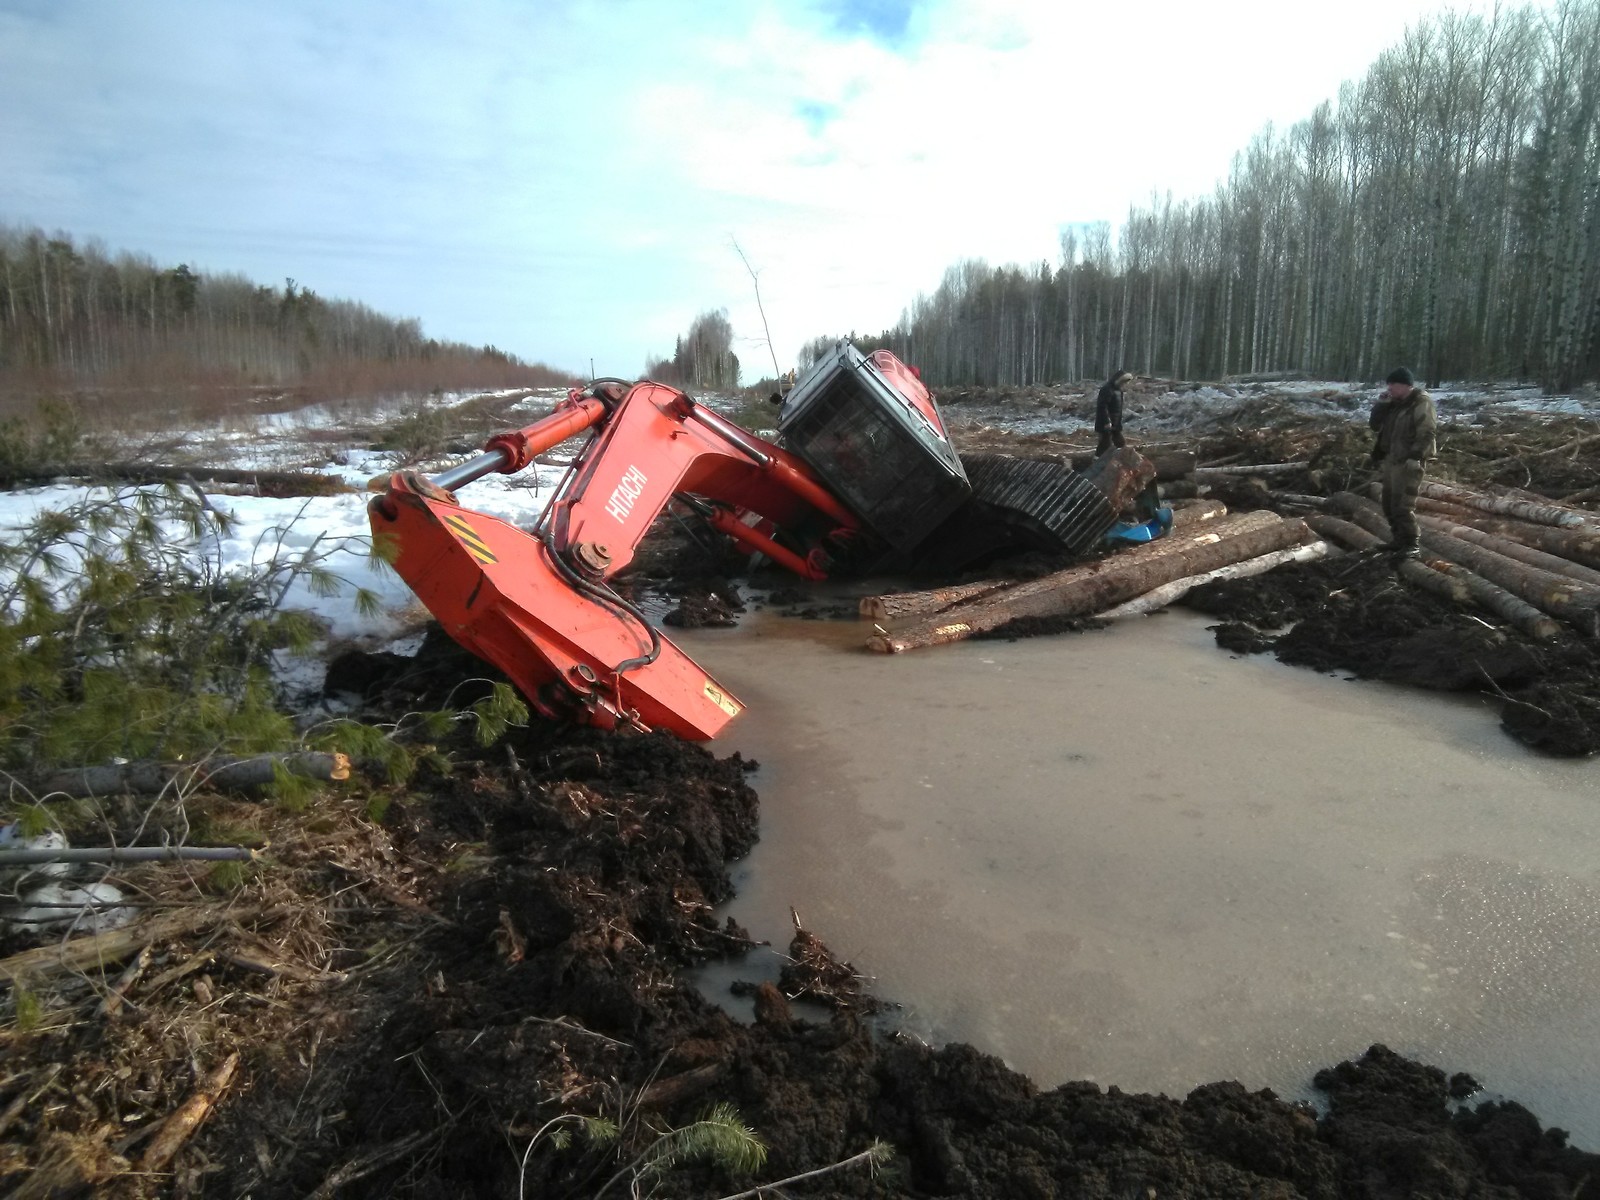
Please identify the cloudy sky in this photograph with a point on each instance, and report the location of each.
(567, 180)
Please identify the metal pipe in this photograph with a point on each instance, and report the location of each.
(755, 540)
(116, 854)
(728, 431)
(473, 469)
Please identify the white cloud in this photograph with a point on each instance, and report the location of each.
(564, 179)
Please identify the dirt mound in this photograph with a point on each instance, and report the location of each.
(1354, 614)
(551, 991)
(528, 1030)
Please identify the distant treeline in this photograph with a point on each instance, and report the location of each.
(702, 358)
(1444, 213)
(79, 317)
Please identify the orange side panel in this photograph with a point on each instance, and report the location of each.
(493, 589)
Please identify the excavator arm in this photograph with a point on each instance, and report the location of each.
(537, 604)
(872, 475)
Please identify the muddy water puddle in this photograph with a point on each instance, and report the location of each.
(1129, 857)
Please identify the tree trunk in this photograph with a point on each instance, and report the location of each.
(1553, 563)
(1445, 579)
(1093, 587)
(148, 778)
(1523, 510)
(1164, 595)
(1553, 594)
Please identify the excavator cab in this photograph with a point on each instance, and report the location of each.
(872, 432)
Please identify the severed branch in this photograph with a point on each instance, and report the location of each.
(872, 1156)
(186, 1118)
(101, 949)
(147, 778)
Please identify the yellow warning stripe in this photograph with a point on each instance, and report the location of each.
(471, 539)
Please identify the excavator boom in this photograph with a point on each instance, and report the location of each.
(538, 605)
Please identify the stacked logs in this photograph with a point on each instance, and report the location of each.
(1530, 562)
(1204, 543)
(1533, 563)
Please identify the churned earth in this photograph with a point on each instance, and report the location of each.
(551, 982)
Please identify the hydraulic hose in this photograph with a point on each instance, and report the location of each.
(608, 597)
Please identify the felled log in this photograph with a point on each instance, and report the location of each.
(148, 778)
(1168, 592)
(1523, 510)
(1553, 563)
(893, 606)
(1441, 508)
(1192, 512)
(1574, 545)
(1446, 579)
(1120, 474)
(1354, 537)
(1208, 474)
(1557, 595)
(182, 1123)
(1183, 489)
(1170, 467)
(899, 605)
(1551, 594)
(1095, 587)
(1297, 498)
(114, 945)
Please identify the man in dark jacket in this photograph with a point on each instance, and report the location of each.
(1406, 424)
(1108, 412)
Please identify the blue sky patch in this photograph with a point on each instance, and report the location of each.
(816, 114)
(883, 21)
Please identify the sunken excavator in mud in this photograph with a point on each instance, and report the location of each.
(862, 477)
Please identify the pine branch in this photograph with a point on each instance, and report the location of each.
(873, 1155)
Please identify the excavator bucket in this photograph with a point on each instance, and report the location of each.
(499, 592)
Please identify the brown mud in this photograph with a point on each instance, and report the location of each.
(549, 982)
(569, 878)
(1354, 614)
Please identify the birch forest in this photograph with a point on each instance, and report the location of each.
(76, 317)
(1443, 212)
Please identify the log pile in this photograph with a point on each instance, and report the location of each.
(1090, 588)
(1531, 563)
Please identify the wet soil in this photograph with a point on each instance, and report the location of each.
(1353, 613)
(552, 986)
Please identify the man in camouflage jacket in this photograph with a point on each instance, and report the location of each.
(1406, 424)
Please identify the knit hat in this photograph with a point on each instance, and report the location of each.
(1402, 375)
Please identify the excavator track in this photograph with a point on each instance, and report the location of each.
(1019, 504)
(1041, 498)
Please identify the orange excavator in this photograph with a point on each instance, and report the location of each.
(863, 475)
